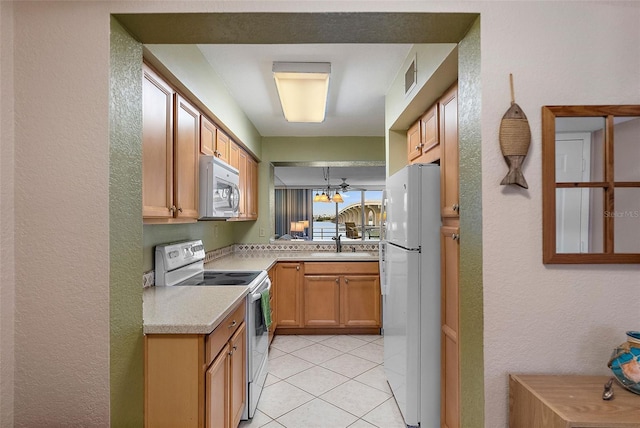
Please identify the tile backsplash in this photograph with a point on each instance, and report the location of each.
(301, 246)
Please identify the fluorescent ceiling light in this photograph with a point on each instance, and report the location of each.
(302, 88)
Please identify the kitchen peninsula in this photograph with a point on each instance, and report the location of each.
(187, 327)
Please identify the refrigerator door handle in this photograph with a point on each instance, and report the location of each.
(382, 247)
(383, 216)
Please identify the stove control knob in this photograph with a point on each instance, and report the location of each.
(173, 254)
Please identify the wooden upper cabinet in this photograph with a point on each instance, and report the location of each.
(208, 133)
(157, 146)
(252, 188)
(430, 133)
(186, 152)
(170, 150)
(423, 142)
(175, 133)
(222, 146)
(449, 181)
(248, 168)
(242, 168)
(234, 154)
(414, 145)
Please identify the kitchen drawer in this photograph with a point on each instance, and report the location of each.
(344, 268)
(220, 336)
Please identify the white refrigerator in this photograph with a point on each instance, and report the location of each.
(410, 282)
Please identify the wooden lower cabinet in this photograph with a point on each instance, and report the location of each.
(289, 294)
(197, 380)
(226, 383)
(321, 301)
(328, 295)
(360, 297)
(341, 301)
(217, 380)
(238, 373)
(450, 357)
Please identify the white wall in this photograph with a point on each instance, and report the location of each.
(62, 215)
(7, 218)
(537, 318)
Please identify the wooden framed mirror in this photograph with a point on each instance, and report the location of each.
(591, 184)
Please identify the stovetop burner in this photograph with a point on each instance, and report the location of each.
(221, 278)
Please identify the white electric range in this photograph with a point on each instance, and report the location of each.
(182, 264)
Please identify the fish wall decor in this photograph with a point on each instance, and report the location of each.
(515, 138)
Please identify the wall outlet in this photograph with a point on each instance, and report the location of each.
(262, 232)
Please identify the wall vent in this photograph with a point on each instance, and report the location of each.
(410, 76)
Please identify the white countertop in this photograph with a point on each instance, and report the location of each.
(188, 309)
(199, 310)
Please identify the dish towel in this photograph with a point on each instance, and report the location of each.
(266, 307)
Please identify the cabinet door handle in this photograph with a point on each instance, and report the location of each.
(456, 207)
(455, 237)
(346, 280)
(337, 280)
(233, 324)
(297, 267)
(172, 208)
(180, 209)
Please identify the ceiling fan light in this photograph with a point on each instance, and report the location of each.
(324, 197)
(337, 197)
(302, 88)
(316, 198)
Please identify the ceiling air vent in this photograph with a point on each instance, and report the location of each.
(410, 76)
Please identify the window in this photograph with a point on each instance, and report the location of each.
(358, 216)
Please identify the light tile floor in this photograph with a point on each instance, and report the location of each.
(326, 382)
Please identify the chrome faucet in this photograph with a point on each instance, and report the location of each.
(338, 244)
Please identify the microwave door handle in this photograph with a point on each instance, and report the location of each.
(235, 198)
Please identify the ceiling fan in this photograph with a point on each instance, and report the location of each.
(344, 186)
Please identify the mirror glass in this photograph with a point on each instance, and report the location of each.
(591, 184)
(627, 220)
(579, 221)
(579, 149)
(626, 134)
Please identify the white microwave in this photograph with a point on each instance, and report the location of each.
(219, 189)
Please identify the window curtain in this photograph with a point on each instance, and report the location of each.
(292, 205)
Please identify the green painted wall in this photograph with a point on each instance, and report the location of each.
(292, 149)
(125, 237)
(214, 234)
(471, 287)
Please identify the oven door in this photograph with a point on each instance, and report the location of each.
(258, 347)
(258, 332)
